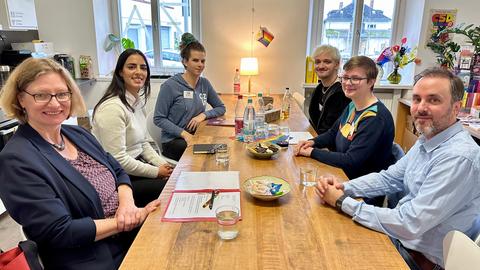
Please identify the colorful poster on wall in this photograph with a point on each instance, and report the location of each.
(441, 19)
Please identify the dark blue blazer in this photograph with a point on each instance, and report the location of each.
(54, 203)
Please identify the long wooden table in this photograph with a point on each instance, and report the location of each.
(294, 232)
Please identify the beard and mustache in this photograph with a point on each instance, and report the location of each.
(430, 127)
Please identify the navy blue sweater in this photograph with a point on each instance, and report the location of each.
(360, 142)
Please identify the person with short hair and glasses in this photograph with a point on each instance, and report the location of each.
(328, 100)
(70, 196)
(438, 175)
(360, 141)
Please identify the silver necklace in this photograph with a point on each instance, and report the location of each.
(61, 146)
(325, 90)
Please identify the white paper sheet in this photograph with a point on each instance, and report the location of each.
(296, 136)
(187, 206)
(208, 180)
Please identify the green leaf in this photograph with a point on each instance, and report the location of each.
(128, 43)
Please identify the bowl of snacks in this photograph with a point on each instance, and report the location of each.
(266, 188)
(263, 150)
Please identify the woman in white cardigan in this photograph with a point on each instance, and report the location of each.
(119, 123)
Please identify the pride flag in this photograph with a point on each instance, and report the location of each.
(264, 36)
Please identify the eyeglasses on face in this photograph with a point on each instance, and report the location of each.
(353, 80)
(46, 98)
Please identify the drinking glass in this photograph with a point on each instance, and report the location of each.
(308, 175)
(227, 219)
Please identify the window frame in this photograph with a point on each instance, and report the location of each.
(159, 69)
(315, 25)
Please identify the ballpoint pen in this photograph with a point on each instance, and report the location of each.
(209, 203)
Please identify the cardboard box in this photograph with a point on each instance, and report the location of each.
(44, 47)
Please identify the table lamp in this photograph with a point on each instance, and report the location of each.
(249, 67)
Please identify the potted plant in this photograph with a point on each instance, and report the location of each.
(445, 48)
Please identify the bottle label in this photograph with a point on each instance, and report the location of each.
(238, 126)
(236, 88)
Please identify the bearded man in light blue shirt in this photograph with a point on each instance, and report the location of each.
(439, 175)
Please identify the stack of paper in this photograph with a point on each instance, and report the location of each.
(193, 189)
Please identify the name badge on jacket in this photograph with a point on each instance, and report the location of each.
(188, 94)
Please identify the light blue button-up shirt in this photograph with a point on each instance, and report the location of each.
(441, 180)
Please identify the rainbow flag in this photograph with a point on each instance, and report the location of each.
(264, 36)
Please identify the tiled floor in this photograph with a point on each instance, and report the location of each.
(10, 232)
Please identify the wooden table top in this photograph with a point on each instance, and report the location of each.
(293, 232)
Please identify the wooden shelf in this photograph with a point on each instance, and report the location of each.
(403, 135)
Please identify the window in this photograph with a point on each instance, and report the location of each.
(351, 30)
(156, 28)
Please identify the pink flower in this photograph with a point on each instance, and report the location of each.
(396, 48)
(404, 40)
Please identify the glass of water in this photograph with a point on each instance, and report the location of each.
(308, 175)
(227, 219)
(285, 132)
(222, 155)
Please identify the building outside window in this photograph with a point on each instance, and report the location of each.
(156, 28)
(352, 31)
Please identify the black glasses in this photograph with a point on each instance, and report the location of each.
(46, 98)
(353, 80)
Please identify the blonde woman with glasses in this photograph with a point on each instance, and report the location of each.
(360, 141)
(70, 196)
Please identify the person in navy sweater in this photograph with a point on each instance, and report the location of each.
(360, 141)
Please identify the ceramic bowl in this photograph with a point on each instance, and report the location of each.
(250, 186)
(252, 150)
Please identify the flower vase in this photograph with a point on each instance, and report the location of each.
(394, 77)
(380, 74)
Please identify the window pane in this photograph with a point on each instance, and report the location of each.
(136, 24)
(338, 26)
(175, 19)
(376, 30)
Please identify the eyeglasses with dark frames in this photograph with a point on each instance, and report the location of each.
(353, 80)
(46, 98)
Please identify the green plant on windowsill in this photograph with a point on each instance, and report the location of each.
(113, 41)
(444, 48)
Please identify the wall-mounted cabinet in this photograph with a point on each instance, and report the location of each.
(18, 15)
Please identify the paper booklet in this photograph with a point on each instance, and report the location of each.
(194, 189)
(221, 122)
(296, 136)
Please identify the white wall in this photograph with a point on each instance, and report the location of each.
(69, 24)
(226, 30)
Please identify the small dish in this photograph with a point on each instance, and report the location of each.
(251, 185)
(271, 150)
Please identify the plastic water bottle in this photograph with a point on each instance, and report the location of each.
(260, 129)
(236, 82)
(239, 110)
(286, 103)
(249, 122)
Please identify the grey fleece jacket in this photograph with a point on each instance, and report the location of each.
(178, 103)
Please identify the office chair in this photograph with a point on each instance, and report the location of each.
(460, 252)
(156, 135)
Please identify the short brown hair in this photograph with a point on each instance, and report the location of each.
(27, 72)
(364, 63)
(456, 85)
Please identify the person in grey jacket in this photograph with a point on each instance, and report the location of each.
(182, 101)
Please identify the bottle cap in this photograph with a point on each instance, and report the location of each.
(259, 94)
(240, 96)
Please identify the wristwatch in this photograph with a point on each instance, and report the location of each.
(338, 203)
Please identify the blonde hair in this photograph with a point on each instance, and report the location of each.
(330, 50)
(27, 72)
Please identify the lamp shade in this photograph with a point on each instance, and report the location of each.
(248, 66)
